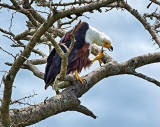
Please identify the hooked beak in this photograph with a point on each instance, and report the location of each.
(108, 46)
(110, 49)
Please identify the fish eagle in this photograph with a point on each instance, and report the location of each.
(85, 36)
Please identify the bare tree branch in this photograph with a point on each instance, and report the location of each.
(69, 22)
(7, 6)
(7, 52)
(35, 71)
(146, 78)
(55, 44)
(6, 32)
(55, 105)
(156, 2)
(146, 25)
(31, 68)
(85, 111)
(21, 35)
(15, 4)
(19, 101)
(66, 4)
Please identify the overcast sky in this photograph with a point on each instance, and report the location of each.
(118, 101)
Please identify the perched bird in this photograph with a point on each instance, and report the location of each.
(85, 36)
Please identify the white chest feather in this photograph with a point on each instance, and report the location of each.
(91, 37)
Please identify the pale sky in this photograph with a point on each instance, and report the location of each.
(118, 101)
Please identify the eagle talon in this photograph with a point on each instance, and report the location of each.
(102, 50)
(79, 78)
(100, 62)
(85, 81)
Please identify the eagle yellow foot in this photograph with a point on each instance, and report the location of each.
(79, 78)
(98, 57)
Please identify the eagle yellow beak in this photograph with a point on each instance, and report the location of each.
(107, 45)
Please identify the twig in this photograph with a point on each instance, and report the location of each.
(149, 4)
(6, 32)
(109, 9)
(43, 12)
(11, 21)
(86, 16)
(23, 99)
(65, 27)
(154, 14)
(4, 5)
(12, 36)
(55, 44)
(7, 52)
(35, 71)
(69, 22)
(31, 2)
(37, 51)
(4, 71)
(145, 77)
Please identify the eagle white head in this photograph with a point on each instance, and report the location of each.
(99, 38)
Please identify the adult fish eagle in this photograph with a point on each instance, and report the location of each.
(85, 36)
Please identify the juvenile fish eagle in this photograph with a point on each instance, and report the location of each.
(85, 36)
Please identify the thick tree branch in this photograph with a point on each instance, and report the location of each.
(85, 8)
(143, 60)
(32, 114)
